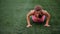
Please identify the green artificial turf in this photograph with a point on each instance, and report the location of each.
(13, 16)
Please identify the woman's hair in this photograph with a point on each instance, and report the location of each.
(38, 8)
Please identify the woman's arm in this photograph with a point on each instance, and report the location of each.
(28, 18)
(48, 18)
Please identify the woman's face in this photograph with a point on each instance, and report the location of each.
(38, 12)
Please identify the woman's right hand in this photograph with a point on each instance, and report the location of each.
(29, 26)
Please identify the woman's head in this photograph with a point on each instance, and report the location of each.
(38, 8)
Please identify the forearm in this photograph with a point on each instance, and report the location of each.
(48, 19)
(28, 20)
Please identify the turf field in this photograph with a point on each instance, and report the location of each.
(13, 16)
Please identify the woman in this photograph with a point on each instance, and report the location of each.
(38, 15)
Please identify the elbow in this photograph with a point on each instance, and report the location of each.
(28, 17)
(49, 15)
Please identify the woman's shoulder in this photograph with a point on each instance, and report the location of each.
(32, 11)
(44, 11)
